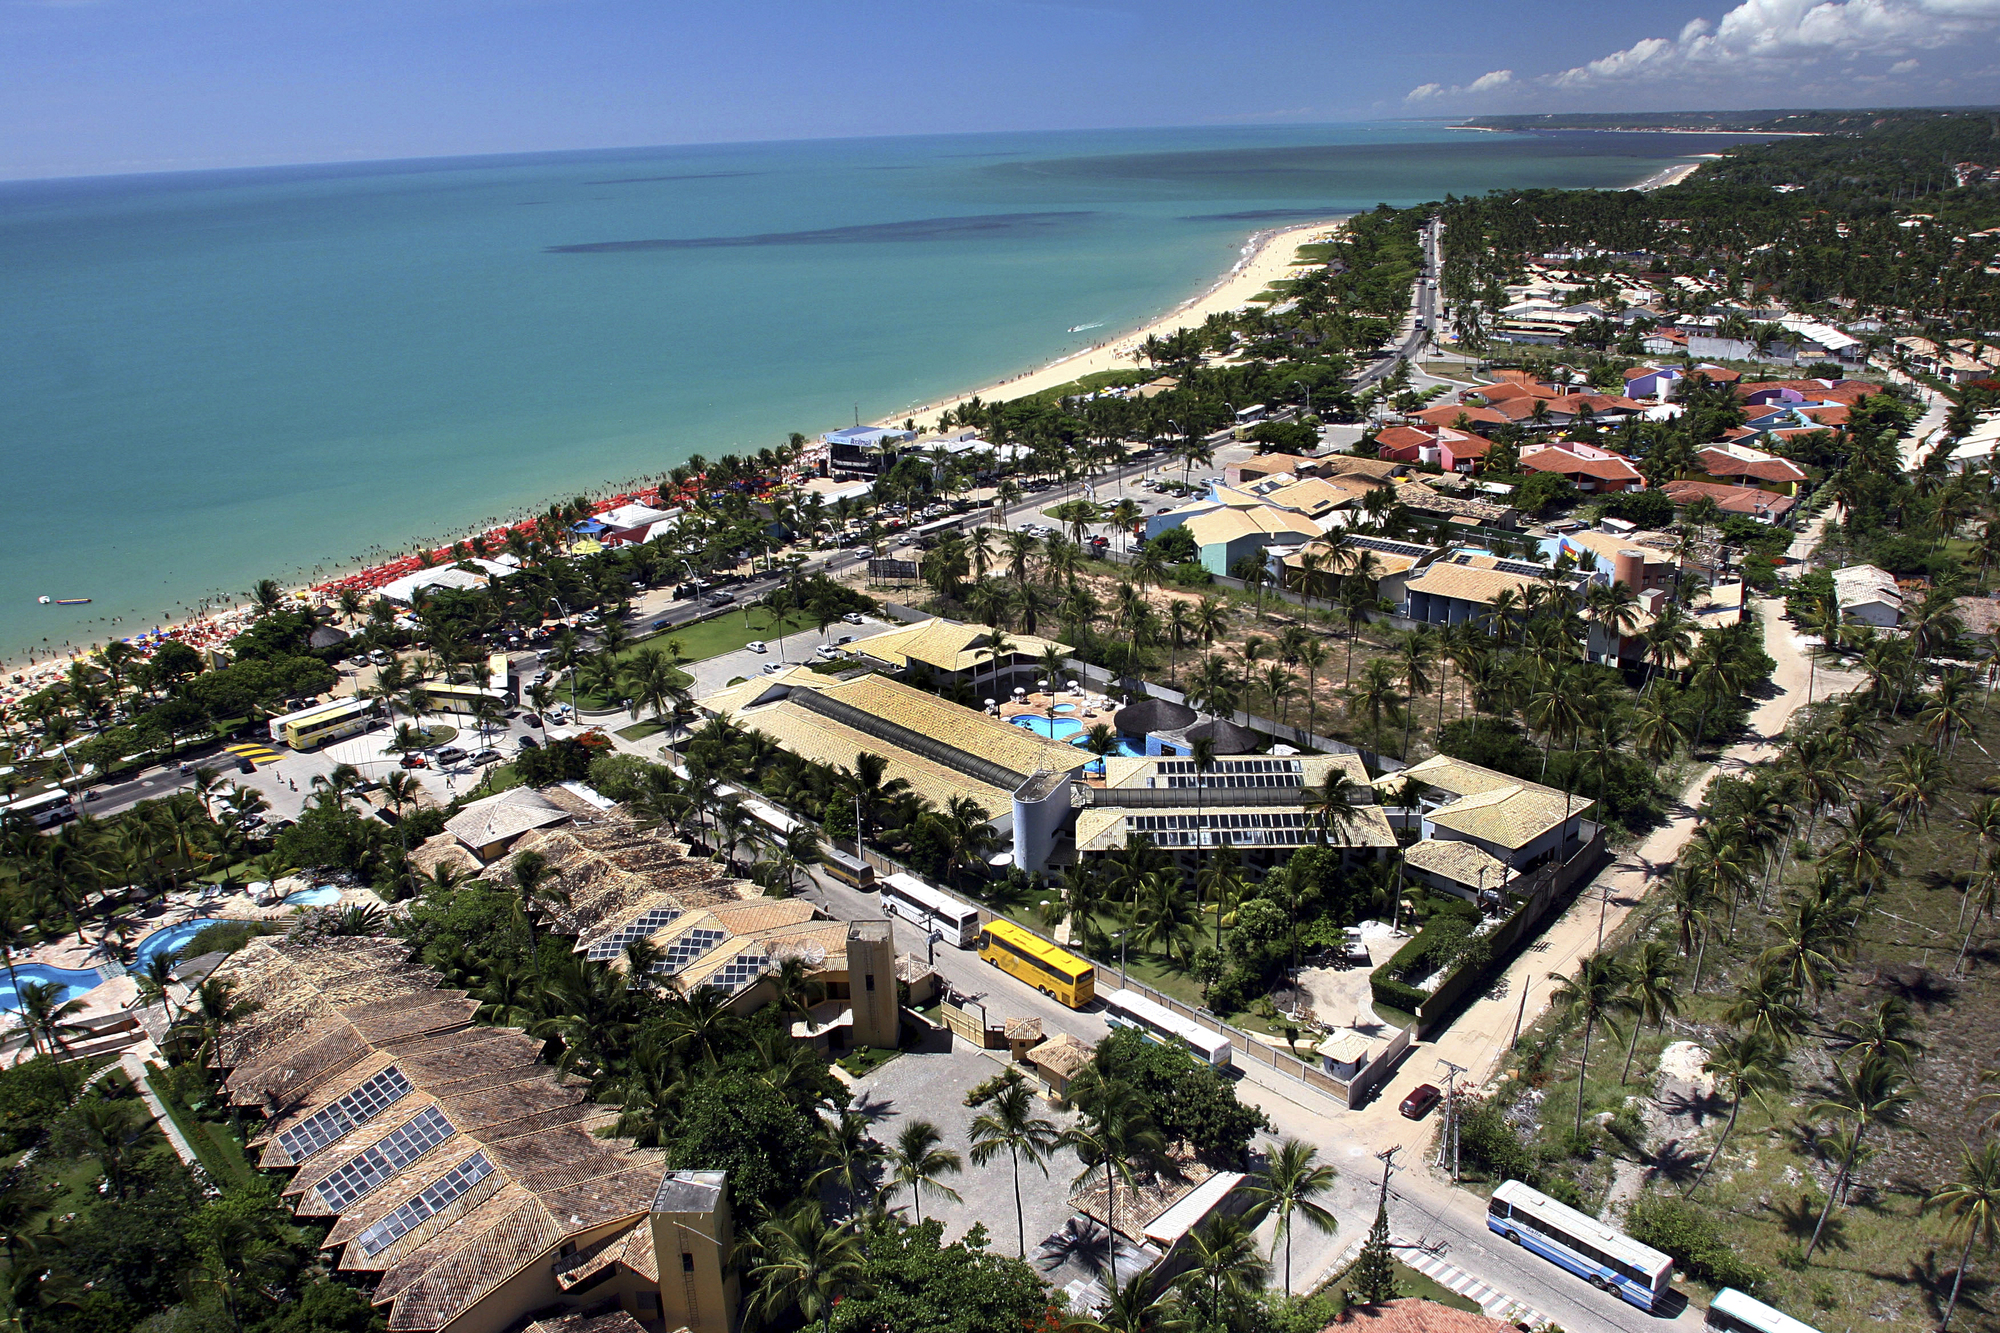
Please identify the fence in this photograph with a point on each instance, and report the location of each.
(1544, 888)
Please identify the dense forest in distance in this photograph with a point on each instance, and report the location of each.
(1773, 121)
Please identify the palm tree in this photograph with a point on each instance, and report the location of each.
(852, 1155)
(804, 1263)
(45, 1016)
(1597, 992)
(1114, 1132)
(1010, 1125)
(1223, 1260)
(919, 1160)
(531, 876)
(1652, 991)
(1139, 1307)
(1971, 1204)
(1751, 1063)
(1294, 1181)
(1874, 1093)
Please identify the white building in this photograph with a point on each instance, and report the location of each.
(1868, 595)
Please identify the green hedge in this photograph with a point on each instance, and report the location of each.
(1428, 950)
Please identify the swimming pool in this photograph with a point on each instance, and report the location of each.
(1059, 729)
(1071, 730)
(74, 982)
(324, 896)
(169, 940)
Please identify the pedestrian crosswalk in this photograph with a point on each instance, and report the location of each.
(255, 753)
(1495, 1304)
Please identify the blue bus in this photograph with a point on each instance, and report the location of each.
(1610, 1260)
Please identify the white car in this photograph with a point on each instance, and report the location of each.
(827, 651)
(758, 646)
(773, 668)
(852, 617)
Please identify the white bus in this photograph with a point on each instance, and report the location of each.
(908, 897)
(1733, 1312)
(1129, 1009)
(42, 810)
(1611, 1260)
(310, 728)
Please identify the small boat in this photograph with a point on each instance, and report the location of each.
(72, 601)
(1079, 328)
(44, 599)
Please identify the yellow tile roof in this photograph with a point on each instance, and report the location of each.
(1469, 583)
(944, 646)
(1228, 525)
(1460, 862)
(1511, 816)
(962, 728)
(825, 741)
(736, 698)
(1314, 495)
(1102, 828)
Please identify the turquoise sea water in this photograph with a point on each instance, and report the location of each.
(209, 378)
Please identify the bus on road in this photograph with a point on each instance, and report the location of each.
(1129, 1009)
(1733, 1312)
(310, 728)
(908, 897)
(1052, 971)
(41, 810)
(1610, 1260)
(851, 871)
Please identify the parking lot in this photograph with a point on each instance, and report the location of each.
(931, 1085)
(711, 674)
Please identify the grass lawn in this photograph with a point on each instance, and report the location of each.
(640, 731)
(498, 779)
(866, 1059)
(219, 1151)
(704, 639)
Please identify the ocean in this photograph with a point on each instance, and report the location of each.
(214, 377)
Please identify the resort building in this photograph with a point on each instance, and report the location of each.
(1745, 501)
(1518, 823)
(1588, 469)
(1257, 804)
(1868, 596)
(489, 826)
(1740, 465)
(1389, 564)
(1464, 585)
(942, 749)
(466, 1174)
(1228, 534)
(953, 655)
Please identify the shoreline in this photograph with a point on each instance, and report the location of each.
(1264, 257)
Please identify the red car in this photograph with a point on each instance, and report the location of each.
(414, 761)
(1419, 1103)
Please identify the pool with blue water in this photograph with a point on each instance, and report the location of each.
(1071, 730)
(169, 940)
(324, 896)
(74, 982)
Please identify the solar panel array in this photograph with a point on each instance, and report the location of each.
(424, 1131)
(688, 948)
(739, 972)
(639, 928)
(358, 1107)
(1233, 773)
(1272, 828)
(435, 1198)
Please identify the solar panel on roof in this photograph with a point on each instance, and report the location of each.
(688, 948)
(432, 1200)
(358, 1107)
(423, 1132)
(738, 972)
(640, 927)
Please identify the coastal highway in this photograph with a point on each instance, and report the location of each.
(1425, 308)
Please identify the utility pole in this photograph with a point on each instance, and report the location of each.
(1450, 1143)
(1527, 984)
(1388, 1159)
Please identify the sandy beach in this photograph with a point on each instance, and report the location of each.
(1267, 256)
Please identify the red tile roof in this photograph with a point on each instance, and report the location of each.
(1745, 500)
(1448, 416)
(1403, 437)
(1718, 463)
(1550, 459)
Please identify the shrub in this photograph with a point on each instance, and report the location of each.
(1488, 1142)
(1190, 575)
(1667, 1222)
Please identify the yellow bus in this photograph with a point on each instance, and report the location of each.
(310, 728)
(1052, 971)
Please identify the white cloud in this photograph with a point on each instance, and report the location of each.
(1777, 35)
(1903, 66)
(1485, 83)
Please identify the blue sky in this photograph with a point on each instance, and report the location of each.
(103, 86)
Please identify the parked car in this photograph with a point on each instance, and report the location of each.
(758, 646)
(1420, 1101)
(843, 639)
(720, 598)
(378, 657)
(450, 754)
(773, 668)
(245, 766)
(852, 617)
(487, 756)
(827, 651)
(528, 743)
(415, 761)
(532, 720)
